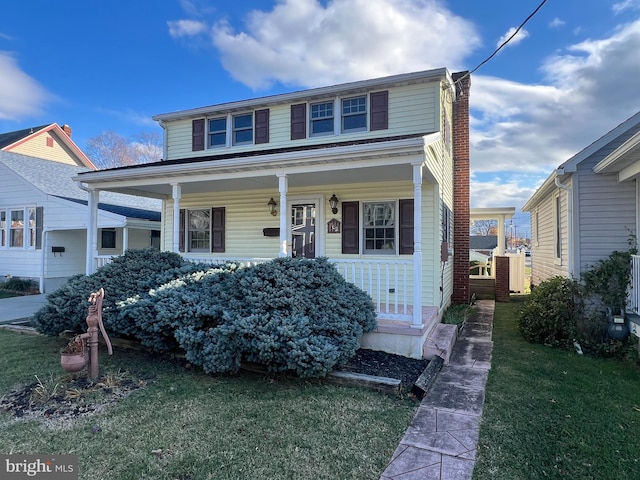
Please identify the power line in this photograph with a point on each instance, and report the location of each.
(531, 15)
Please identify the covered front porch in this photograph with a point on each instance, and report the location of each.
(372, 210)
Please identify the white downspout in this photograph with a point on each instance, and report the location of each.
(567, 189)
(42, 258)
(92, 227)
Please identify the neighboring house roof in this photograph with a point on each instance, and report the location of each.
(9, 138)
(483, 242)
(628, 128)
(55, 178)
(10, 141)
(129, 212)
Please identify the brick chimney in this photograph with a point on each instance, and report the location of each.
(461, 208)
(67, 129)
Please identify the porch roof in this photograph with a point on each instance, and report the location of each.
(385, 159)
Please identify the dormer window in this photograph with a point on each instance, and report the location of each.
(243, 129)
(322, 118)
(217, 132)
(354, 114)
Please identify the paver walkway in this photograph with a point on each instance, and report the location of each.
(442, 439)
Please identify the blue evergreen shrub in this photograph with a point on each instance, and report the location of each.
(126, 276)
(290, 314)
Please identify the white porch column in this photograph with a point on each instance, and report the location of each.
(176, 194)
(92, 231)
(417, 244)
(125, 239)
(501, 235)
(283, 186)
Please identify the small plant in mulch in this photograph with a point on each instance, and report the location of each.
(57, 400)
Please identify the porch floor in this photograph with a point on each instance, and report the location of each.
(398, 321)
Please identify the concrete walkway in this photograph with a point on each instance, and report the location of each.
(441, 441)
(20, 309)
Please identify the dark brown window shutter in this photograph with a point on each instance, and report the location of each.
(262, 126)
(298, 121)
(39, 225)
(350, 227)
(217, 229)
(197, 135)
(406, 226)
(182, 220)
(379, 111)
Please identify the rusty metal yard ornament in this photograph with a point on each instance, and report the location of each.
(94, 322)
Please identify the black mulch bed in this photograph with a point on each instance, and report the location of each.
(382, 364)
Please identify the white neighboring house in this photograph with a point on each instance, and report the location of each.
(44, 217)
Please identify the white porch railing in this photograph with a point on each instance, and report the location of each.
(388, 282)
(633, 298)
(102, 260)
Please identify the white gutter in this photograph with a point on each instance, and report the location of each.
(566, 188)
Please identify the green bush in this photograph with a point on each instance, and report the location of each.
(293, 315)
(183, 296)
(126, 276)
(551, 313)
(20, 285)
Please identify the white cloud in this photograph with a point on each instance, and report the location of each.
(625, 5)
(589, 89)
(186, 28)
(557, 23)
(308, 43)
(520, 36)
(20, 95)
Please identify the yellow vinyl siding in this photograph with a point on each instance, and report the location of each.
(247, 215)
(412, 109)
(37, 147)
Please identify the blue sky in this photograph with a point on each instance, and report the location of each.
(570, 76)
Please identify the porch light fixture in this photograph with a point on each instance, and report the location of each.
(333, 201)
(272, 207)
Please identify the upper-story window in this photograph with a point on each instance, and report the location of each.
(217, 132)
(354, 114)
(243, 129)
(322, 118)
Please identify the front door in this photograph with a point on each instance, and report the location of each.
(303, 230)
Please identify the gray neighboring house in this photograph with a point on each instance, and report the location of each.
(44, 216)
(587, 207)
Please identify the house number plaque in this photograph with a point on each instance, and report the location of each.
(333, 226)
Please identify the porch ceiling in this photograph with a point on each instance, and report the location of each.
(331, 167)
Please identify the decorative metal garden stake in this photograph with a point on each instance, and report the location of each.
(94, 321)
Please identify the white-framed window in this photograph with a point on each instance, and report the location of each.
(379, 228)
(3, 228)
(108, 238)
(321, 118)
(242, 129)
(354, 114)
(31, 232)
(217, 132)
(199, 230)
(16, 228)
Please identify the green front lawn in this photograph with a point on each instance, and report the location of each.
(185, 424)
(554, 414)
